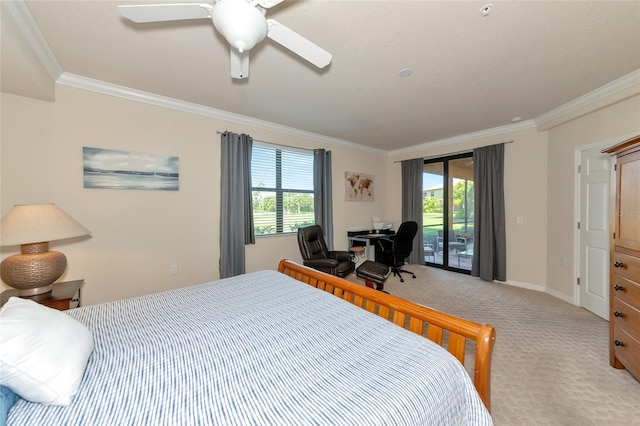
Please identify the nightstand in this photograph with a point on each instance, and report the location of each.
(65, 295)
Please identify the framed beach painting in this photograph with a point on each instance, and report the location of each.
(359, 186)
(113, 169)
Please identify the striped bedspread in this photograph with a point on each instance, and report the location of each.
(258, 349)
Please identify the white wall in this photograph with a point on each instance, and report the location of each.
(525, 195)
(137, 235)
(609, 124)
(540, 185)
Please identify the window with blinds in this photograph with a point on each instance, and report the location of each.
(282, 189)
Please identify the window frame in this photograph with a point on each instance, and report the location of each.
(279, 190)
(448, 219)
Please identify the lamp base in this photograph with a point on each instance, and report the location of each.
(34, 269)
(35, 291)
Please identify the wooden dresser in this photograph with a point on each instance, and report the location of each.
(624, 324)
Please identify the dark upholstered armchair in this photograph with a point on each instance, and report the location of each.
(316, 255)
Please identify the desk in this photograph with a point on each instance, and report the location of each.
(367, 238)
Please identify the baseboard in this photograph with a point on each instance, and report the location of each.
(521, 285)
(542, 289)
(563, 297)
(533, 287)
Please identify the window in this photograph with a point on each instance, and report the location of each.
(282, 189)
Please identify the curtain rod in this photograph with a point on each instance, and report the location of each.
(457, 152)
(273, 144)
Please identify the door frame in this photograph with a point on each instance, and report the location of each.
(576, 206)
(447, 196)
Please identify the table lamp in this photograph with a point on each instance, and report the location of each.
(35, 269)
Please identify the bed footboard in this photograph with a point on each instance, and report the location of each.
(427, 322)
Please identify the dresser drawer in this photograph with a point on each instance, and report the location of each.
(628, 266)
(627, 350)
(626, 317)
(626, 290)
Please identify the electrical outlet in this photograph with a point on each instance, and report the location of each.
(173, 269)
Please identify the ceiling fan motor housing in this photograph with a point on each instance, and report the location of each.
(242, 24)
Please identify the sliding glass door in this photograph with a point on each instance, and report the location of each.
(447, 200)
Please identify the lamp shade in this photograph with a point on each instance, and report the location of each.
(33, 223)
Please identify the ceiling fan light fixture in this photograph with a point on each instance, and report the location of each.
(242, 24)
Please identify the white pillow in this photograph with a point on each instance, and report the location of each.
(43, 352)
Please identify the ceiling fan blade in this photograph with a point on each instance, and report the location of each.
(239, 64)
(269, 3)
(298, 44)
(165, 12)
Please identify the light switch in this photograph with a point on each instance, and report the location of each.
(519, 219)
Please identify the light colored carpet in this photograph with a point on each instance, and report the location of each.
(551, 359)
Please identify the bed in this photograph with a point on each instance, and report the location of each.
(269, 348)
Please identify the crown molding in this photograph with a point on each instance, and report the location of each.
(494, 131)
(98, 86)
(544, 121)
(27, 27)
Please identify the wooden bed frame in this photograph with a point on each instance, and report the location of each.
(419, 319)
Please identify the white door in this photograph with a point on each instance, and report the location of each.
(595, 174)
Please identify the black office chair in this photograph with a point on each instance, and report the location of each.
(397, 248)
(316, 255)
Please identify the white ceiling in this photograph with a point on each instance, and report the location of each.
(470, 72)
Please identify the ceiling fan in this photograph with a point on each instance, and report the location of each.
(241, 22)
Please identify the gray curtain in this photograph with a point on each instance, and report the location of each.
(236, 208)
(489, 246)
(412, 204)
(322, 194)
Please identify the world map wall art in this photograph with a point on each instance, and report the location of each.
(359, 186)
